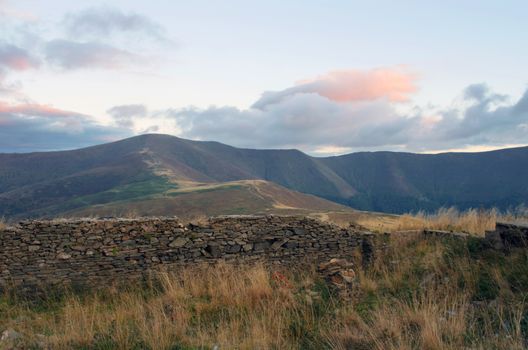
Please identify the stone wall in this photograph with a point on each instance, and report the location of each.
(508, 235)
(93, 252)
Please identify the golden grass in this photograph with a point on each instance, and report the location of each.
(232, 307)
(420, 294)
(472, 221)
(418, 303)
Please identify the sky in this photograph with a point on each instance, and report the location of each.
(325, 77)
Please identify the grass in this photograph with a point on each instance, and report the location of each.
(471, 221)
(134, 190)
(434, 293)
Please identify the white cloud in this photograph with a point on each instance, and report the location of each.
(77, 55)
(97, 22)
(319, 125)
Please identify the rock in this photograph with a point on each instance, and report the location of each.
(276, 245)
(494, 239)
(260, 246)
(292, 245)
(335, 263)
(10, 336)
(178, 242)
(63, 256)
(214, 250)
(508, 235)
(33, 248)
(339, 273)
(299, 231)
(247, 247)
(129, 243)
(348, 275)
(367, 253)
(232, 249)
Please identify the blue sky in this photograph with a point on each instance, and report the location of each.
(338, 76)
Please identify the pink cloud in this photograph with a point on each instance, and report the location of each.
(16, 58)
(19, 63)
(394, 84)
(35, 110)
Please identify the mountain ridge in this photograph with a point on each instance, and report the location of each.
(379, 181)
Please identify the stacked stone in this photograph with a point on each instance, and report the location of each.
(508, 235)
(93, 252)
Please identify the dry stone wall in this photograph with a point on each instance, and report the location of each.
(93, 252)
(508, 235)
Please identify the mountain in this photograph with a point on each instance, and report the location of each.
(154, 167)
(399, 182)
(146, 167)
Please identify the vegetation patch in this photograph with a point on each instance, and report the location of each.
(421, 293)
(143, 189)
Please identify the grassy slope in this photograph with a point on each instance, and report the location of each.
(190, 200)
(421, 294)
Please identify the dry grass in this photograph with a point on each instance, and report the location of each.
(436, 295)
(232, 307)
(472, 221)
(420, 294)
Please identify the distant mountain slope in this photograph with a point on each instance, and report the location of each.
(397, 182)
(148, 165)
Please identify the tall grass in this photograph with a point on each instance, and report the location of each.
(474, 221)
(471, 221)
(437, 294)
(421, 293)
(232, 307)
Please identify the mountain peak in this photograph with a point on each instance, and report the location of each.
(392, 182)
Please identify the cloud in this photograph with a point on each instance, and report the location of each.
(93, 38)
(124, 115)
(483, 122)
(8, 12)
(306, 121)
(313, 116)
(6, 88)
(105, 22)
(30, 127)
(33, 109)
(68, 54)
(13, 59)
(318, 124)
(16, 58)
(393, 84)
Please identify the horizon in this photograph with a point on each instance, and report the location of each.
(268, 149)
(323, 80)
